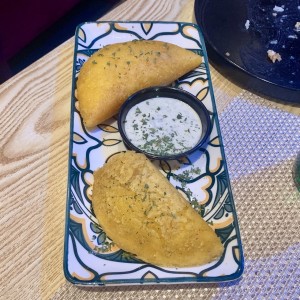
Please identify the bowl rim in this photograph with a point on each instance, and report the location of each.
(175, 93)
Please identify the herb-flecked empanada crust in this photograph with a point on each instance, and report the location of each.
(144, 214)
(116, 71)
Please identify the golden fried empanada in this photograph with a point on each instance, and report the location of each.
(144, 214)
(116, 71)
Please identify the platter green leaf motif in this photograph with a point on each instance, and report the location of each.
(90, 257)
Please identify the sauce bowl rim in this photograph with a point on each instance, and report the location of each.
(169, 92)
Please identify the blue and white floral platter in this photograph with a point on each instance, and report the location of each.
(90, 257)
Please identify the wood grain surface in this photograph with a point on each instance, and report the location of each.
(34, 118)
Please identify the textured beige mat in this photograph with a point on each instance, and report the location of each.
(261, 141)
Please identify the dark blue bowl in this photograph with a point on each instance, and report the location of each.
(240, 54)
(168, 92)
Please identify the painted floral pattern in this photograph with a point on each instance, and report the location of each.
(202, 178)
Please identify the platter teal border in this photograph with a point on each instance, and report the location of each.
(179, 280)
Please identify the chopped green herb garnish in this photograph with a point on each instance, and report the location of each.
(151, 124)
(152, 130)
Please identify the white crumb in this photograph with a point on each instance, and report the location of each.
(278, 8)
(273, 42)
(247, 24)
(297, 26)
(274, 56)
(293, 37)
(227, 54)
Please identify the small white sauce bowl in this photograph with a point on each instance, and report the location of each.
(172, 93)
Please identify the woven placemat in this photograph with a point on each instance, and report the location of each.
(261, 142)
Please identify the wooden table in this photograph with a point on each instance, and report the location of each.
(35, 112)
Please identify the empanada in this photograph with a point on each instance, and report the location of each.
(144, 214)
(116, 71)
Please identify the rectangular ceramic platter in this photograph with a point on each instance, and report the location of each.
(90, 257)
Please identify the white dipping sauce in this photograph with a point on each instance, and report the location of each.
(163, 126)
